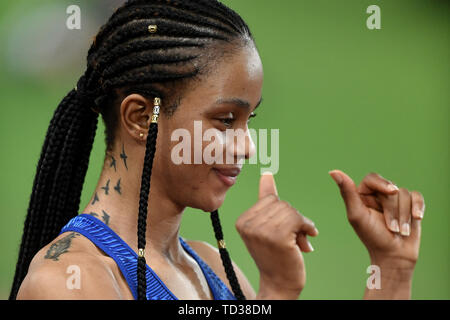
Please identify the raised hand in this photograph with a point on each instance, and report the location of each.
(275, 233)
(387, 220)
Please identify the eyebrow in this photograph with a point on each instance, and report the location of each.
(238, 102)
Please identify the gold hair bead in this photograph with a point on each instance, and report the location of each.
(221, 244)
(157, 103)
(152, 28)
(141, 253)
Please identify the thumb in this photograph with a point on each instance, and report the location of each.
(349, 192)
(267, 185)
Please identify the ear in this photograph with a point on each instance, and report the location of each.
(135, 115)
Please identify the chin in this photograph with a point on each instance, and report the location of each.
(211, 195)
(213, 202)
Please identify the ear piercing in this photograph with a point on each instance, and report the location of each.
(155, 116)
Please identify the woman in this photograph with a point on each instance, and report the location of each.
(155, 67)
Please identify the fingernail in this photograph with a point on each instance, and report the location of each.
(419, 213)
(394, 226)
(392, 187)
(310, 246)
(405, 229)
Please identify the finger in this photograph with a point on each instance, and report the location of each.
(355, 206)
(390, 211)
(294, 220)
(260, 213)
(309, 227)
(416, 228)
(373, 183)
(371, 201)
(265, 202)
(267, 185)
(404, 211)
(304, 244)
(418, 205)
(272, 213)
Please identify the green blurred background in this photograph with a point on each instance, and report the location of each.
(344, 97)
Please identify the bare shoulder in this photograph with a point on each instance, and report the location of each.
(68, 269)
(211, 256)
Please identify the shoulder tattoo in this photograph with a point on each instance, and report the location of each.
(61, 246)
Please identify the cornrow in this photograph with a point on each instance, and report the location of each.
(156, 10)
(126, 58)
(189, 7)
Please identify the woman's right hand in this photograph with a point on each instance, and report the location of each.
(275, 233)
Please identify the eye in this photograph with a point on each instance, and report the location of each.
(228, 120)
(251, 116)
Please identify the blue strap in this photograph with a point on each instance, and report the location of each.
(219, 289)
(108, 241)
(125, 257)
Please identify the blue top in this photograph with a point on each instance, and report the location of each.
(110, 242)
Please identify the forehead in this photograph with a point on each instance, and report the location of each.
(239, 75)
(245, 64)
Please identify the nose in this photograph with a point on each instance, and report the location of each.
(249, 148)
(240, 144)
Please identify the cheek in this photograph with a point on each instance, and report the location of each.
(193, 185)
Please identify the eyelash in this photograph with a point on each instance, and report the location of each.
(251, 116)
(228, 122)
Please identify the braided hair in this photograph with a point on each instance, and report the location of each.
(127, 56)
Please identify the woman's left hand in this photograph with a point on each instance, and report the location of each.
(386, 219)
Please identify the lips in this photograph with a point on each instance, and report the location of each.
(227, 175)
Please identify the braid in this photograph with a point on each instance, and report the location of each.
(125, 58)
(143, 206)
(226, 260)
(52, 203)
